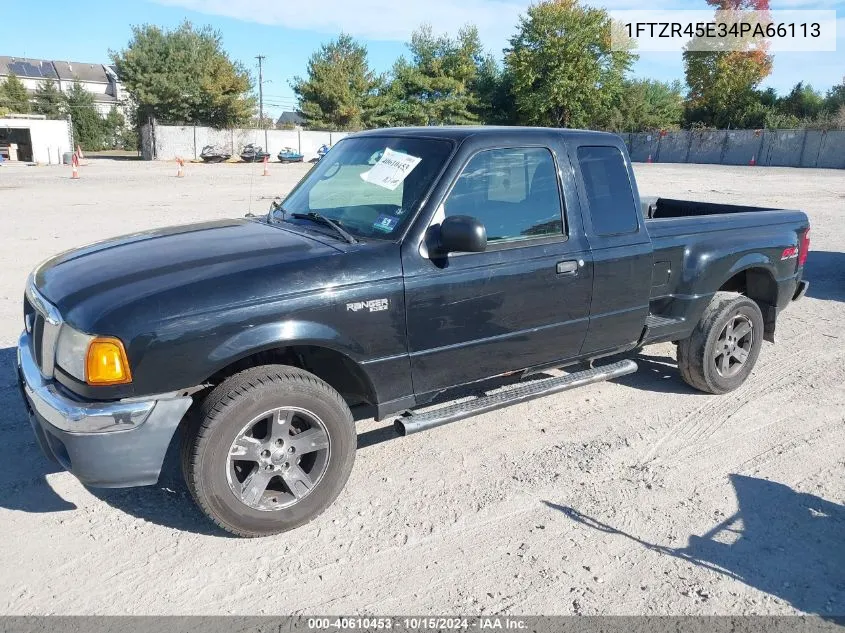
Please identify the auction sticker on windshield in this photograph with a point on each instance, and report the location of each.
(391, 170)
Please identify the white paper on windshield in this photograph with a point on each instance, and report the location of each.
(391, 170)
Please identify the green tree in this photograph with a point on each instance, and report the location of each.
(13, 95)
(492, 91)
(114, 126)
(88, 126)
(802, 102)
(723, 83)
(437, 85)
(565, 73)
(835, 98)
(262, 123)
(340, 91)
(768, 97)
(49, 100)
(184, 75)
(648, 104)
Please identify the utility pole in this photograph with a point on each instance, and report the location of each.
(261, 59)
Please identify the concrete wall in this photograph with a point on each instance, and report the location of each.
(674, 148)
(788, 148)
(742, 146)
(831, 150)
(187, 141)
(50, 139)
(771, 148)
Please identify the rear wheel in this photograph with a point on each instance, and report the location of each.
(269, 450)
(723, 349)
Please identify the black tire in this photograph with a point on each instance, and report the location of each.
(697, 354)
(221, 419)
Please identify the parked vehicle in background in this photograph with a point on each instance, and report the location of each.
(253, 153)
(214, 154)
(407, 263)
(290, 155)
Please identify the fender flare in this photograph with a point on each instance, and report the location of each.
(288, 333)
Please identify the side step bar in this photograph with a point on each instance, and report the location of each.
(416, 422)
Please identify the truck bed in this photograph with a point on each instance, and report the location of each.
(660, 208)
(686, 233)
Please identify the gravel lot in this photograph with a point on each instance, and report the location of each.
(634, 497)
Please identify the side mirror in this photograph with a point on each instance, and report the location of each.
(462, 234)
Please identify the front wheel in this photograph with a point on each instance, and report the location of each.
(269, 449)
(721, 352)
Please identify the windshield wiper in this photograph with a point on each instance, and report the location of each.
(321, 219)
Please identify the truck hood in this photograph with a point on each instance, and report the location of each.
(107, 275)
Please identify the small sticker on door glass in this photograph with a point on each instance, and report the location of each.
(391, 169)
(385, 223)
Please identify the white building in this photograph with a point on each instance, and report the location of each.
(98, 79)
(34, 139)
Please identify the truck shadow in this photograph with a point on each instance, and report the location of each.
(780, 541)
(167, 503)
(657, 374)
(24, 486)
(23, 483)
(825, 270)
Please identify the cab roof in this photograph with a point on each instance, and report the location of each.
(461, 133)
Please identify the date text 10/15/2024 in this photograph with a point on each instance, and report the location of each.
(417, 623)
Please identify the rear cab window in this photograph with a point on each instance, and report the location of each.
(610, 196)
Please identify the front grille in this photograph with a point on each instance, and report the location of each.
(34, 322)
(42, 323)
(38, 339)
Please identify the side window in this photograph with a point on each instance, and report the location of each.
(513, 192)
(609, 193)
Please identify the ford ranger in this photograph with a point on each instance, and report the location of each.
(407, 263)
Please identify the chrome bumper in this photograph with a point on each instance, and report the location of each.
(109, 444)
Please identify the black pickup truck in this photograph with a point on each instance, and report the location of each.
(407, 263)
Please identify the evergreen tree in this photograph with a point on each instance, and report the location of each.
(13, 96)
(49, 100)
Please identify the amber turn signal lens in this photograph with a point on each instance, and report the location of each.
(106, 363)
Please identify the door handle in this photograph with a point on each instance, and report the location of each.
(569, 267)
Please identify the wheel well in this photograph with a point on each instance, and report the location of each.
(338, 370)
(759, 285)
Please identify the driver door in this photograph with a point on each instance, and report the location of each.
(525, 301)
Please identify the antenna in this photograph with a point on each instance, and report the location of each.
(261, 59)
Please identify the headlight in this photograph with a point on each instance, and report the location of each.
(96, 360)
(72, 351)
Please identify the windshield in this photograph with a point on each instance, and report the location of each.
(370, 186)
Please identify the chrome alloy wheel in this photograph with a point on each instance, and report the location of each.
(733, 346)
(278, 458)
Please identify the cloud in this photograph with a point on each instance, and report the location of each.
(389, 20)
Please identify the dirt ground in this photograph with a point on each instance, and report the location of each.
(634, 497)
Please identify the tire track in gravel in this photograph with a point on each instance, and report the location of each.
(769, 376)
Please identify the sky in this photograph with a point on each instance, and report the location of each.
(287, 32)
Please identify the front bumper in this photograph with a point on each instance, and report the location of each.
(104, 444)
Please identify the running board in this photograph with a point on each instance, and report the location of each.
(416, 422)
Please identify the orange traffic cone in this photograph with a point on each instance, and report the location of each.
(753, 161)
(180, 170)
(79, 152)
(648, 160)
(266, 167)
(74, 161)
